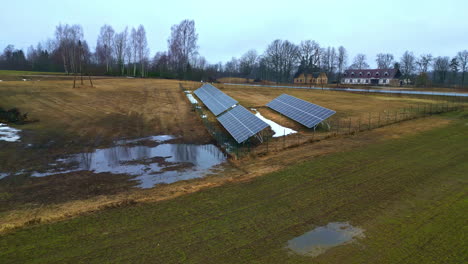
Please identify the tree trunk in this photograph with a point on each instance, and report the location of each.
(463, 79)
(65, 64)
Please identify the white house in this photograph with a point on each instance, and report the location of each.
(372, 77)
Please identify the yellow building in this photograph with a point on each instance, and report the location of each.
(316, 78)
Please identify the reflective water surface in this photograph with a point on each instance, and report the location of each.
(159, 163)
(319, 240)
(360, 90)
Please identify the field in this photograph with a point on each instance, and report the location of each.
(409, 216)
(249, 209)
(6, 75)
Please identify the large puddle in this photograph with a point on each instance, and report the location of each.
(155, 162)
(322, 238)
(277, 128)
(9, 134)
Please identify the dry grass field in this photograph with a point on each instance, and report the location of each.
(114, 108)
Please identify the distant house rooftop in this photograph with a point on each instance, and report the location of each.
(372, 73)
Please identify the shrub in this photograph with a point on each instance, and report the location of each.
(12, 116)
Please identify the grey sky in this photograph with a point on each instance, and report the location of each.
(226, 30)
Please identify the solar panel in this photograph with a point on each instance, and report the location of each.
(241, 123)
(214, 99)
(299, 110)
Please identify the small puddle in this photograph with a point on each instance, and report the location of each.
(154, 163)
(9, 134)
(322, 238)
(277, 128)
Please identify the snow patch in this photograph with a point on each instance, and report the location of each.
(192, 99)
(9, 134)
(277, 128)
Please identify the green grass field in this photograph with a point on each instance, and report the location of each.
(14, 73)
(409, 195)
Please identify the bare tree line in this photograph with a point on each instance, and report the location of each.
(127, 53)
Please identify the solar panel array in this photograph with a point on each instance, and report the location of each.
(241, 123)
(299, 110)
(214, 99)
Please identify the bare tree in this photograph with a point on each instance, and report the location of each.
(384, 60)
(248, 62)
(232, 66)
(359, 62)
(329, 60)
(182, 44)
(129, 52)
(142, 48)
(462, 58)
(160, 62)
(199, 62)
(120, 44)
(134, 48)
(60, 44)
(441, 67)
(309, 55)
(341, 60)
(105, 43)
(281, 59)
(408, 64)
(66, 42)
(424, 62)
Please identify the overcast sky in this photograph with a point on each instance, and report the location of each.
(227, 30)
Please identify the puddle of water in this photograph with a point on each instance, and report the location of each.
(9, 134)
(151, 165)
(322, 238)
(160, 138)
(277, 128)
(191, 98)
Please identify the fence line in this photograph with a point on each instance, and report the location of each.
(331, 128)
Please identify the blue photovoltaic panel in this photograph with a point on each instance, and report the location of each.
(241, 123)
(299, 110)
(214, 99)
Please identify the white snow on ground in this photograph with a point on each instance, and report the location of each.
(277, 128)
(8, 133)
(192, 99)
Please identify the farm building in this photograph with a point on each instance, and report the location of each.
(311, 78)
(372, 77)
